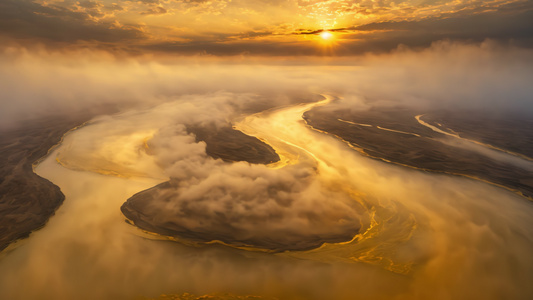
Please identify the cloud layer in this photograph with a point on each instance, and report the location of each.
(265, 28)
(488, 76)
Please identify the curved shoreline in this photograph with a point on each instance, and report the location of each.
(36, 199)
(146, 223)
(425, 148)
(415, 225)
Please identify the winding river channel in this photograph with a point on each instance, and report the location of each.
(423, 236)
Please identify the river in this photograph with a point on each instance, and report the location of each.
(423, 236)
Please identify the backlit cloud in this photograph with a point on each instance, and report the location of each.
(261, 27)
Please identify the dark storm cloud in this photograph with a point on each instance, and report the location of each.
(21, 19)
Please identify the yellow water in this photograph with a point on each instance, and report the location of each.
(424, 236)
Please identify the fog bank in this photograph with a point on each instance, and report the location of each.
(486, 76)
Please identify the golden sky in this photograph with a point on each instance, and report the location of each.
(261, 27)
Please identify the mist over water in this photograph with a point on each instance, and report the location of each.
(422, 236)
(485, 77)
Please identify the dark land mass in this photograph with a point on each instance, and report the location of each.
(512, 132)
(229, 145)
(140, 209)
(423, 149)
(27, 200)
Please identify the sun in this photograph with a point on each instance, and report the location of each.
(326, 35)
(327, 41)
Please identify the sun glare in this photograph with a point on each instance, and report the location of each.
(326, 35)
